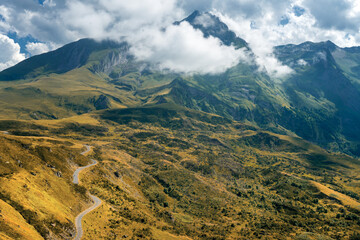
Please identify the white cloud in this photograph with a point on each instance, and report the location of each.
(260, 43)
(302, 62)
(85, 19)
(205, 20)
(37, 48)
(116, 19)
(4, 25)
(183, 49)
(142, 23)
(314, 24)
(4, 12)
(10, 52)
(320, 56)
(62, 21)
(49, 3)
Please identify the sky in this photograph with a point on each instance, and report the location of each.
(31, 27)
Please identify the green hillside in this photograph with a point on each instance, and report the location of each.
(318, 102)
(234, 155)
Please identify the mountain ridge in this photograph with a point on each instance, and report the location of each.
(320, 97)
(64, 59)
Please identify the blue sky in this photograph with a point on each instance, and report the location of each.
(30, 27)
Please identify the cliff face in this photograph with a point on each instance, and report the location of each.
(114, 58)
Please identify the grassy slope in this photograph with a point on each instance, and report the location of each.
(242, 93)
(14, 226)
(56, 96)
(167, 171)
(36, 186)
(194, 183)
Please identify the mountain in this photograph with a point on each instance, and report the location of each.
(320, 97)
(323, 87)
(235, 155)
(211, 25)
(62, 60)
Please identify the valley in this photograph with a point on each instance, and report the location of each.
(190, 178)
(96, 144)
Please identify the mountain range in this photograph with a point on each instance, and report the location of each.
(237, 138)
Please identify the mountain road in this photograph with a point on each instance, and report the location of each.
(96, 200)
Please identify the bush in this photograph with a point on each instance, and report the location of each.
(355, 236)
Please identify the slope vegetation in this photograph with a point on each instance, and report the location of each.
(169, 172)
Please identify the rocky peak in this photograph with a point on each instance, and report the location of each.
(211, 25)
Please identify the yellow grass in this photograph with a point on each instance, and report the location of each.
(24, 188)
(160, 235)
(344, 199)
(17, 224)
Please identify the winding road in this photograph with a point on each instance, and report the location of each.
(96, 200)
(76, 173)
(88, 149)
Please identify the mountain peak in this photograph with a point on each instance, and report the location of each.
(64, 59)
(211, 25)
(193, 15)
(329, 44)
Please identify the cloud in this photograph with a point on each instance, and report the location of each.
(116, 19)
(181, 48)
(334, 14)
(302, 62)
(10, 52)
(86, 20)
(235, 8)
(260, 43)
(205, 20)
(37, 48)
(264, 24)
(305, 21)
(177, 48)
(5, 26)
(49, 3)
(141, 23)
